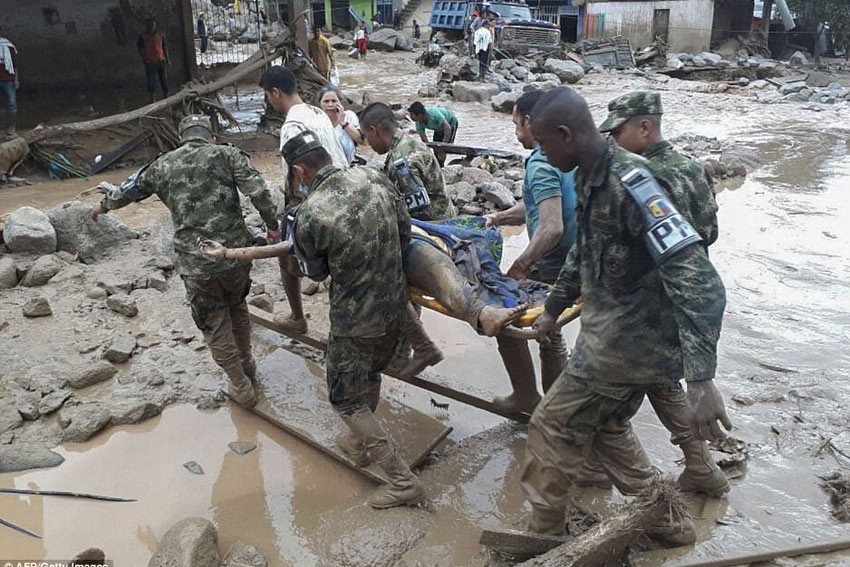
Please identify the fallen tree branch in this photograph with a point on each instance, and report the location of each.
(18, 528)
(64, 493)
(747, 559)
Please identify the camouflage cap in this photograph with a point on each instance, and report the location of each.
(193, 120)
(635, 103)
(300, 145)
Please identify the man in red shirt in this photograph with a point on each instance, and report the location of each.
(154, 53)
(9, 79)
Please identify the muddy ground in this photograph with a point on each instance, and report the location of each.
(783, 371)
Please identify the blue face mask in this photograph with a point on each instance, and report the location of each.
(303, 189)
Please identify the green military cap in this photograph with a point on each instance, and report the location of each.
(193, 120)
(636, 103)
(301, 144)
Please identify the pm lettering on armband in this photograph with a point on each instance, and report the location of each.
(672, 233)
(416, 200)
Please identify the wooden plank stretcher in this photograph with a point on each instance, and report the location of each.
(470, 151)
(293, 396)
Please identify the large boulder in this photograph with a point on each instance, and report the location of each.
(468, 91)
(22, 457)
(76, 232)
(89, 375)
(545, 86)
(505, 102)
(476, 176)
(798, 59)
(520, 73)
(82, 421)
(42, 271)
(498, 194)
(452, 173)
(384, 39)
(403, 42)
(567, 71)
(456, 68)
(791, 88)
(192, 542)
(29, 230)
(462, 193)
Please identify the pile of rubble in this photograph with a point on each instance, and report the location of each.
(814, 87)
(383, 39)
(485, 186)
(224, 24)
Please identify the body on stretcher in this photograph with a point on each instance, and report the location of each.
(519, 329)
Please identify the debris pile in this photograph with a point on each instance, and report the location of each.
(837, 485)
(485, 185)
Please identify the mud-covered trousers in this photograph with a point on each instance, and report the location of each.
(579, 420)
(354, 366)
(221, 313)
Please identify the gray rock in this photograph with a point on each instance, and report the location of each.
(498, 194)
(53, 401)
(473, 209)
(8, 273)
(698, 61)
(547, 78)
(42, 271)
(545, 87)
(468, 91)
(567, 71)
(242, 554)
(163, 263)
(92, 554)
(476, 176)
(24, 457)
(520, 73)
(455, 68)
(674, 63)
(769, 96)
(193, 467)
(517, 189)
(769, 69)
(120, 348)
(452, 173)
(759, 84)
(192, 542)
(242, 447)
(429, 91)
(798, 59)
(97, 293)
(37, 307)
(818, 79)
(791, 88)
(743, 81)
(27, 405)
(338, 42)
(500, 83)
(122, 304)
(114, 285)
(29, 230)
(462, 193)
(264, 301)
(157, 282)
(97, 372)
(9, 417)
(76, 232)
(710, 58)
(505, 102)
(507, 64)
(514, 174)
(83, 421)
(131, 412)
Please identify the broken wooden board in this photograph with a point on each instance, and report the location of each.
(293, 396)
(264, 319)
(470, 151)
(519, 545)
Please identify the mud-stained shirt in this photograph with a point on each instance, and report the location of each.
(640, 323)
(355, 219)
(426, 170)
(691, 188)
(200, 182)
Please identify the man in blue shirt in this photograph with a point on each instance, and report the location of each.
(548, 211)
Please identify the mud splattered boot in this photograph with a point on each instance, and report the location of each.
(517, 360)
(701, 474)
(241, 389)
(673, 532)
(353, 448)
(425, 352)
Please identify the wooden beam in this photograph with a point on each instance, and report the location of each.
(749, 558)
(264, 319)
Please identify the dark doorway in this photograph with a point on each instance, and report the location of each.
(661, 25)
(340, 17)
(319, 14)
(569, 28)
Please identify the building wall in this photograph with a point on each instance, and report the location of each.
(690, 22)
(91, 44)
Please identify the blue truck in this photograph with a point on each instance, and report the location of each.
(516, 30)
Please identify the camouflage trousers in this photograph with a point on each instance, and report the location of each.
(221, 313)
(580, 420)
(354, 366)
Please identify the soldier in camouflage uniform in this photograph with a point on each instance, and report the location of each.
(379, 127)
(200, 182)
(646, 323)
(634, 121)
(352, 227)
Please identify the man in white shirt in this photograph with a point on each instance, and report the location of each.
(483, 39)
(281, 89)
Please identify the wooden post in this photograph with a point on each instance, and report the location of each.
(765, 19)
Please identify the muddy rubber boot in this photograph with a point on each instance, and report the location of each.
(671, 532)
(592, 475)
(425, 352)
(241, 388)
(701, 474)
(353, 448)
(553, 360)
(12, 130)
(517, 360)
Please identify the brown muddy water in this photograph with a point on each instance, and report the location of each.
(783, 370)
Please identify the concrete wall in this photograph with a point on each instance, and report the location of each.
(91, 44)
(689, 30)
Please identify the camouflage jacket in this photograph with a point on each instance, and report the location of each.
(426, 170)
(357, 221)
(692, 190)
(199, 182)
(640, 324)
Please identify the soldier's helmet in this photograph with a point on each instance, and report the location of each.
(302, 144)
(193, 120)
(628, 106)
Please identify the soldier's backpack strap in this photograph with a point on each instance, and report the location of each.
(665, 230)
(314, 269)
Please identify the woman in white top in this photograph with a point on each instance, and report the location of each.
(345, 122)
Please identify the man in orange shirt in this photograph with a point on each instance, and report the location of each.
(154, 53)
